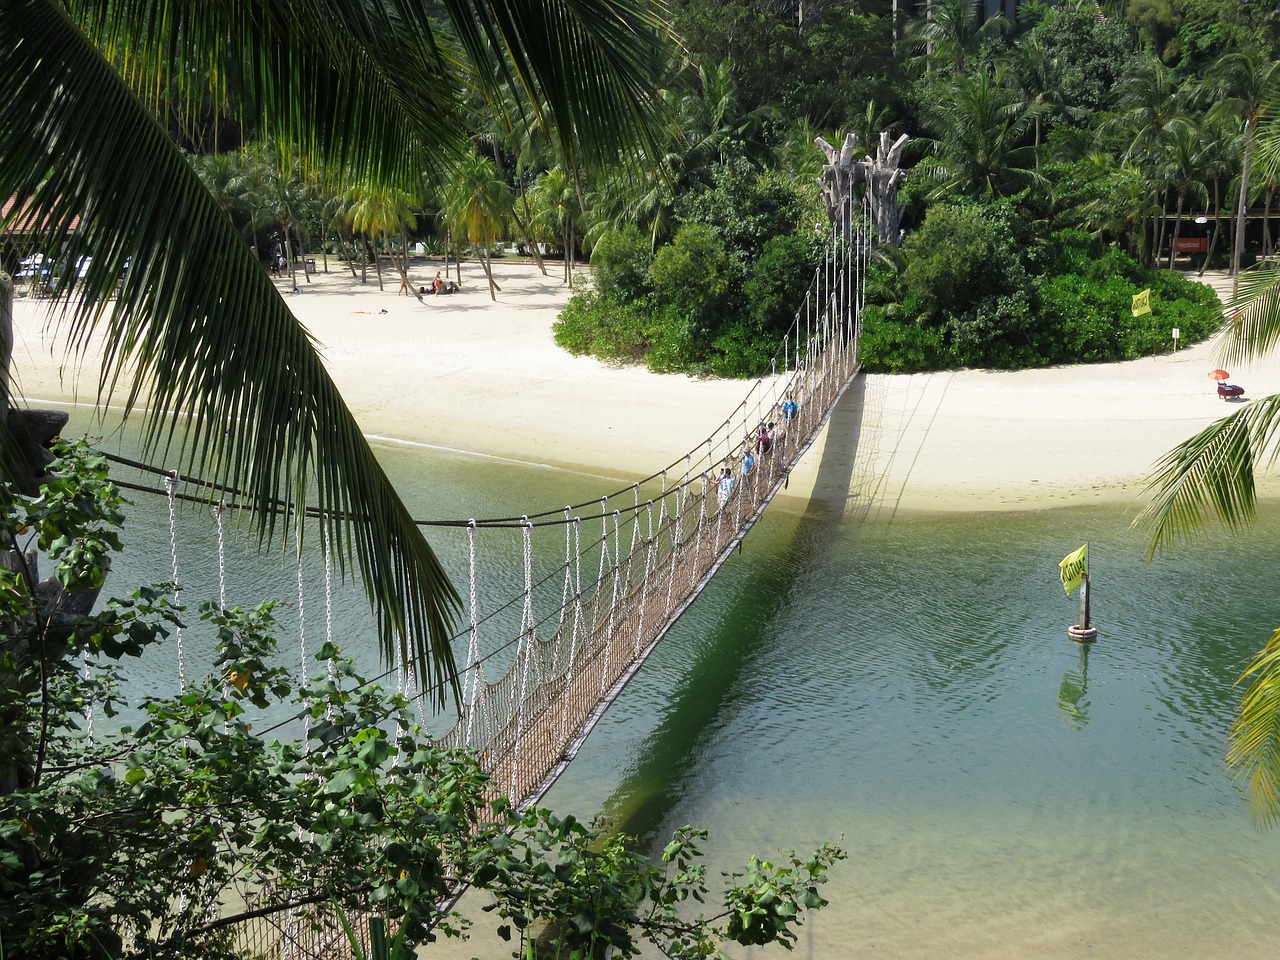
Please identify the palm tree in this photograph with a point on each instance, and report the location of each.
(556, 214)
(1245, 84)
(378, 211)
(949, 33)
(1150, 100)
(981, 130)
(1180, 168)
(477, 204)
(365, 85)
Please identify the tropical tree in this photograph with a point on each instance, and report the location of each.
(372, 86)
(1180, 168)
(477, 205)
(1245, 84)
(556, 214)
(380, 211)
(980, 145)
(950, 33)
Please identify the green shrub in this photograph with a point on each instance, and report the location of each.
(950, 261)
(691, 273)
(672, 340)
(592, 324)
(620, 265)
(999, 332)
(777, 284)
(891, 346)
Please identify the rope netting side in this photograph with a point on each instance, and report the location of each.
(657, 548)
(655, 557)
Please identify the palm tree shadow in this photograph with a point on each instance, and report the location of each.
(713, 683)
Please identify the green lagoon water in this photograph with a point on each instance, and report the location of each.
(906, 687)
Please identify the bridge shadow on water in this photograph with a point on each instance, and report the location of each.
(712, 682)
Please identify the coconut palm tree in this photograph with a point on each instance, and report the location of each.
(950, 33)
(370, 86)
(477, 205)
(1180, 168)
(981, 130)
(1244, 84)
(553, 199)
(1212, 476)
(384, 212)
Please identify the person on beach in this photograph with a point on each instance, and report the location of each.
(437, 286)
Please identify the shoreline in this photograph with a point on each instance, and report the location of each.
(466, 374)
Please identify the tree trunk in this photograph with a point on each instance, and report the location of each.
(524, 235)
(1217, 223)
(377, 263)
(1266, 221)
(302, 254)
(402, 265)
(488, 269)
(1162, 200)
(1246, 162)
(1177, 227)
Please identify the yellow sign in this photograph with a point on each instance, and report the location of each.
(1142, 302)
(1074, 568)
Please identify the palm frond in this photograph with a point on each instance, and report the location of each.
(1255, 734)
(587, 68)
(1254, 328)
(354, 84)
(1210, 474)
(198, 327)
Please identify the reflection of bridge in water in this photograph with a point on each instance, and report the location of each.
(541, 670)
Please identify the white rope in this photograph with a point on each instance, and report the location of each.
(604, 539)
(473, 646)
(222, 555)
(170, 486)
(328, 609)
(303, 669)
(649, 562)
(565, 591)
(577, 622)
(526, 643)
(612, 621)
(86, 674)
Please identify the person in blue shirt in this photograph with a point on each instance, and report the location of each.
(748, 463)
(789, 409)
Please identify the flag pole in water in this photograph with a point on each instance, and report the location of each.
(1074, 570)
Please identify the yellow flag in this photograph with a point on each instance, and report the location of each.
(1142, 302)
(1073, 567)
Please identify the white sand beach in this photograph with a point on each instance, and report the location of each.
(469, 373)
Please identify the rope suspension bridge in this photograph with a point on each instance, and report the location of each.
(538, 672)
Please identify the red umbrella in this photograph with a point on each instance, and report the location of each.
(1219, 375)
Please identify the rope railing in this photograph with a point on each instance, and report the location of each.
(539, 670)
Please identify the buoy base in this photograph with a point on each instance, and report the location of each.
(1082, 634)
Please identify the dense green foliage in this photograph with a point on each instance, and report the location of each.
(982, 288)
(1055, 162)
(717, 297)
(133, 841)
(1125, 122)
